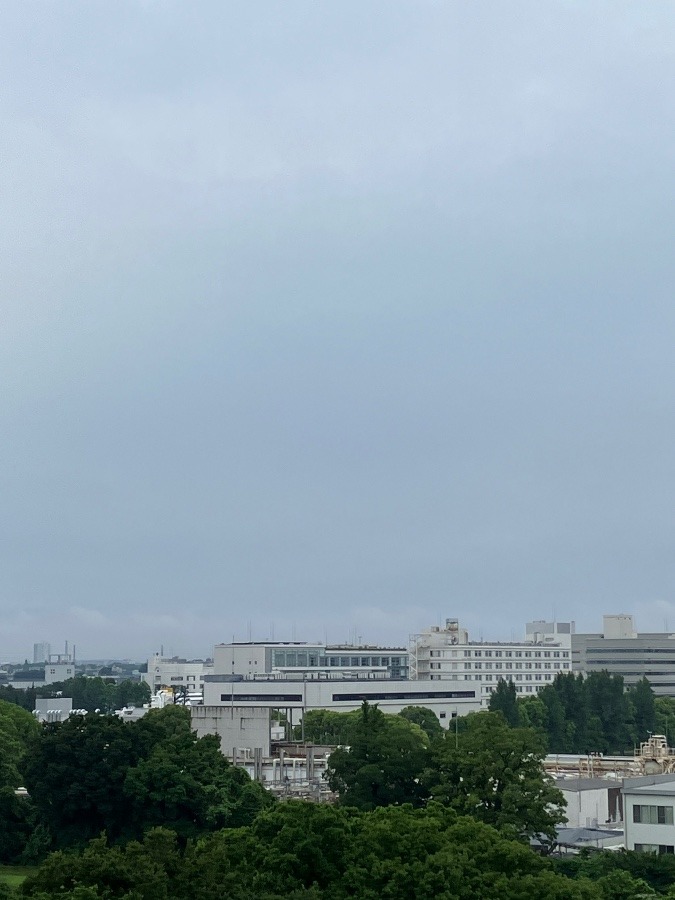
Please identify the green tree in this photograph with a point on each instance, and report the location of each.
(496, 775)
(425, 718)
(324, 726)
(17, 726)
(533, 713)
(503, 699)
(382, 764)
(644, 709)
(664, 717)
(95, 773)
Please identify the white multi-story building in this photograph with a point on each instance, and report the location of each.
(447, 654)
(309, 660)
(649, 826)
(173, 672)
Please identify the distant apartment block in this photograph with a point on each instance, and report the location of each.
(621, 650)
(447, 654)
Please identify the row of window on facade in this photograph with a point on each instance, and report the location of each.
(506, 666)
(646, 814)
(518, 654)
(294, 659)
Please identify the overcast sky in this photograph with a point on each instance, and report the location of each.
(334, 319)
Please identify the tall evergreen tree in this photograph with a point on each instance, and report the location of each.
(504, 700)
(644, 709)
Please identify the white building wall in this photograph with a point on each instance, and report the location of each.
(58, 672)
(661, 793)
(240, 728)
(166, 672)
(586, 809)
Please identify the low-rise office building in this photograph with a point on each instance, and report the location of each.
(296, 696)
(306, 659)
(447, 654)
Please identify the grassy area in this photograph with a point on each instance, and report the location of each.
(15, 875)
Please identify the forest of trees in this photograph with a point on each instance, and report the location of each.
(104, 695)
(148, 811)
(589, 714)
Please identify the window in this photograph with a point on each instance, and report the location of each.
(478, 653)
(478, 665)
(508, 653)
(498, 652)
(467, 653)
(527, 654)
(537, 654)
(488, 652)
(518, 654)
(556, 655)
(654, 848)
(547, 654)
(652, 815)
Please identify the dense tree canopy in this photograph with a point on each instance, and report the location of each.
(494, 773)
(588, 714)
(382, 764)
(94, 773)
(425, 718)
(300, 850)
(17, 727)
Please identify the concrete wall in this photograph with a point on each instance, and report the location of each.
(244, 728)
(343, 695)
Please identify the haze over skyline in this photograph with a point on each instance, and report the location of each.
(342, 318)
